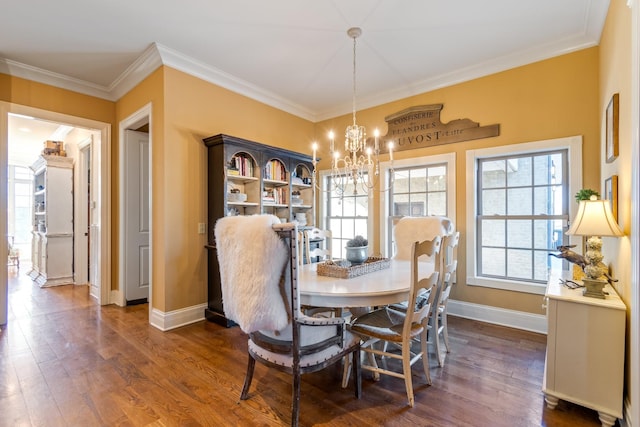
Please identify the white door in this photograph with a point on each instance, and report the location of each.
(137, 219)
(82, 250)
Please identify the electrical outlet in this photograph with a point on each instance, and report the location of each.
(202, 228)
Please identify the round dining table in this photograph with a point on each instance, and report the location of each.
(381, 287)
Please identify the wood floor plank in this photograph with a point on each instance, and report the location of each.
(66, 361)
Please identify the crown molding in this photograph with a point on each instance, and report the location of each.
(181, 62)
(28, 72)
(135, 73)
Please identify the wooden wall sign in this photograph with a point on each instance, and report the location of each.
(420, 126)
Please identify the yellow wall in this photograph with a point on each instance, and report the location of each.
(545, 100)
(38, 95)
(615, 77)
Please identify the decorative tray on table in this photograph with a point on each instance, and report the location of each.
(345, 270)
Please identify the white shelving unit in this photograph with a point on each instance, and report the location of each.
(52, 242)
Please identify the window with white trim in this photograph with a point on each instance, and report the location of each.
(346, 214)
(521, 203)
(422, 186)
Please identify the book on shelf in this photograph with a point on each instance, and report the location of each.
(241, 163)
(275, 171)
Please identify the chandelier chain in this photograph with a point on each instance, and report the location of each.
(354, 79)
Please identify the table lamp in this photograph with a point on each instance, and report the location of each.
(594, 219)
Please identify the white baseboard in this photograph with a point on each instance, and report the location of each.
(175, 319)
(116, 297)
(499, 316)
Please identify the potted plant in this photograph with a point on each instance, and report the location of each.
(585, 194)
(357, 250)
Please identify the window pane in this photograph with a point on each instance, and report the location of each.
(22, 201)
(361, 206)
(519, 172)
(519, 201)
(545, 236)
(437, 204)
(438, 178)
(494, 202)
(336, 206)
(360, 228)
(519, 264)
(348, 206)
(418, 180)
(543, 201)
(548, 169)
(493, 174)
(493, 262)
(401, 205)
(23, 189)
(22, 173)
(519, 233)
(335, 225)
(418, 204)
(401, 181)
(542, 264)
(493, 232)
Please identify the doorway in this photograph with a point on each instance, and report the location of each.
(100, 177)
(135, 248)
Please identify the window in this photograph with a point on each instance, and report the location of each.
(19, 220)
(520, 212)
(347, 215)
(421, 186)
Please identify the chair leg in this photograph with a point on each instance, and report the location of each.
(445, 329)
(425, 356)
(406, 372)
(357, 372)
(247, 379)
(436, 338)
(373, 363)
(295, 412)
(346, 372)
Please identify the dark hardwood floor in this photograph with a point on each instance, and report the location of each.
(64, 361)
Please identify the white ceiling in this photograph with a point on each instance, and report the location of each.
(291, 54)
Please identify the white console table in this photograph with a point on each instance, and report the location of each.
(585, 349)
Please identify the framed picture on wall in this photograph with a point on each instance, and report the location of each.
(611, 129)
(611, 194)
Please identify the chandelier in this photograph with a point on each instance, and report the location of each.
(359, 169)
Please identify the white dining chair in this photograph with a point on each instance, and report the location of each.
(439, 319)
(323, 251)
(402, 330)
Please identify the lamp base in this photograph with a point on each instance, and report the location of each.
(593, 288)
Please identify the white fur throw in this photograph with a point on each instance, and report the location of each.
(411, 229)
(252, 258)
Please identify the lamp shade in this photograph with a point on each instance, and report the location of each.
(594, 218)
